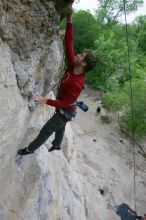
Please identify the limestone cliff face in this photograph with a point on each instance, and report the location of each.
(41, 186)
(30, 30)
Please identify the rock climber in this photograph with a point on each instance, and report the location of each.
(70, 88)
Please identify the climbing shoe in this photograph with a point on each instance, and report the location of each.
(24, 151)
(54, 148)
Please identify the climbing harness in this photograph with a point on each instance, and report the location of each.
(68, 114)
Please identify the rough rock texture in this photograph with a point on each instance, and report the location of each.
(30, 29)
(48, 186)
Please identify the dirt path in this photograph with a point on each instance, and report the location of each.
(105, 161)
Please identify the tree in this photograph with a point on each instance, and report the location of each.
(121, 100)
(112, 9)
(141, 23)
(86, 30)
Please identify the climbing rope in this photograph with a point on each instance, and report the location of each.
(131, 100)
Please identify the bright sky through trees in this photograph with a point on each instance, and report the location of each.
(93, 4)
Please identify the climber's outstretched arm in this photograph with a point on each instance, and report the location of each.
(69, 36)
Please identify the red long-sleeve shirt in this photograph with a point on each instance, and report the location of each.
(71, 84)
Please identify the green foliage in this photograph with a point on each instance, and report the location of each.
(109, 74)
(121, 100)
(111, 50)
(116, 100)
(63, 24)
(86, 30)
(141, 23)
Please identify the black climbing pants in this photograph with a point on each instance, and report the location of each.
(55, 124)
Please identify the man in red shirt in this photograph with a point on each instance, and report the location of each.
(70, 88)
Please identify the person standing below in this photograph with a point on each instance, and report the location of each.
(70, 88)
(126, 213)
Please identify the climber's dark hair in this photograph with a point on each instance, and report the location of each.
(90, 59)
